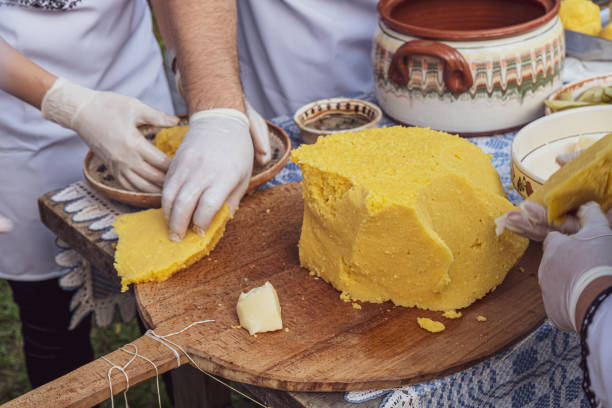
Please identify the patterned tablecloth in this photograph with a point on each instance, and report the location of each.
(540, 371)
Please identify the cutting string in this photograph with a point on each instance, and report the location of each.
(163, 339)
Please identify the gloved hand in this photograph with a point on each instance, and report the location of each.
(531, 221)
(212, 166)
(570, 263)
(107, 122)
(6, 225)
(259, 129)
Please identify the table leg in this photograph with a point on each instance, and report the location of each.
(194, 389)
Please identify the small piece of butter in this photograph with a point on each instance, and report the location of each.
(259, 310)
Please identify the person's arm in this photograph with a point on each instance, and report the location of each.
(21, 77)
(576, 273)
(213, 164)
(107, 122)
(598, 361)
(205, 37)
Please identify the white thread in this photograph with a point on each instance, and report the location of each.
(163, 340)
(110, 383)
(135, 353)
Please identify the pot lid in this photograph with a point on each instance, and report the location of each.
(466, 19)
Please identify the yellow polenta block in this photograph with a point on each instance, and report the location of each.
(169, 139)
(586, 178)
(145, 253)
(432, 326)
(404, 214)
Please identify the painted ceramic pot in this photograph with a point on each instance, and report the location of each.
(474, 67)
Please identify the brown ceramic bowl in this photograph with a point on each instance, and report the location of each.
(98, 176)
(473, 67)
(335, 115)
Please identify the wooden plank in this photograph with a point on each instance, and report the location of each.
(88, 385)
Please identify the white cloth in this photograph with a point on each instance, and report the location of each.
(100, 44)
(599, 360)
(292, 52)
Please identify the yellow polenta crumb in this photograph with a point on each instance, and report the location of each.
(356, 306)
(481, 318)
(452, 314)
(286, 329)
(430, 325)
(345, 297)
(236, 326)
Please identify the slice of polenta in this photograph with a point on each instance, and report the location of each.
(586, 178)
(145, 253)
(169, 139)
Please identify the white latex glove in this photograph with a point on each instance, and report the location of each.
(570, 263)
(259, 129)
(6, 225)
(107, 122)
(531, 221)
(212, 166)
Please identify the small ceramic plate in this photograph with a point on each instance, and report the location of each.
(335, 115)
(536, 146)
(578, 87)
(98, 176)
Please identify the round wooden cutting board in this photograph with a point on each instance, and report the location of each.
(328, 345)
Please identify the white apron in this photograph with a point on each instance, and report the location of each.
(100, 44)
(293, 52)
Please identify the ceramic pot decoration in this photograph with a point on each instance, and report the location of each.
(472, 67)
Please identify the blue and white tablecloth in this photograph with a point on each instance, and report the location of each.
(541, 371)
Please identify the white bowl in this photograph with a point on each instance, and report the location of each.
(536, 145)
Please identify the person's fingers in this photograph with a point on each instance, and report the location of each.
(146, 114)
(518, 223)
(150, 173)
(6, 225)
(592, 219)
(260, 135)
(564, 158)
(183, 208)
(233, 201)
(211, 201)
(141, 183)
(536, 213)
(154, 156)
(125, 182)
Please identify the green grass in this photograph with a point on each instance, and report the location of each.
(13, 378)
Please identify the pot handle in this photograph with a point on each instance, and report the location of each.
(457, 74)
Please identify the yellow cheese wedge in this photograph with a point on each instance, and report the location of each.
(586, 178)
(404, 214)
(169, 139)
(145, 253)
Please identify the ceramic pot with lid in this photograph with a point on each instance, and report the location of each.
(472, 67)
